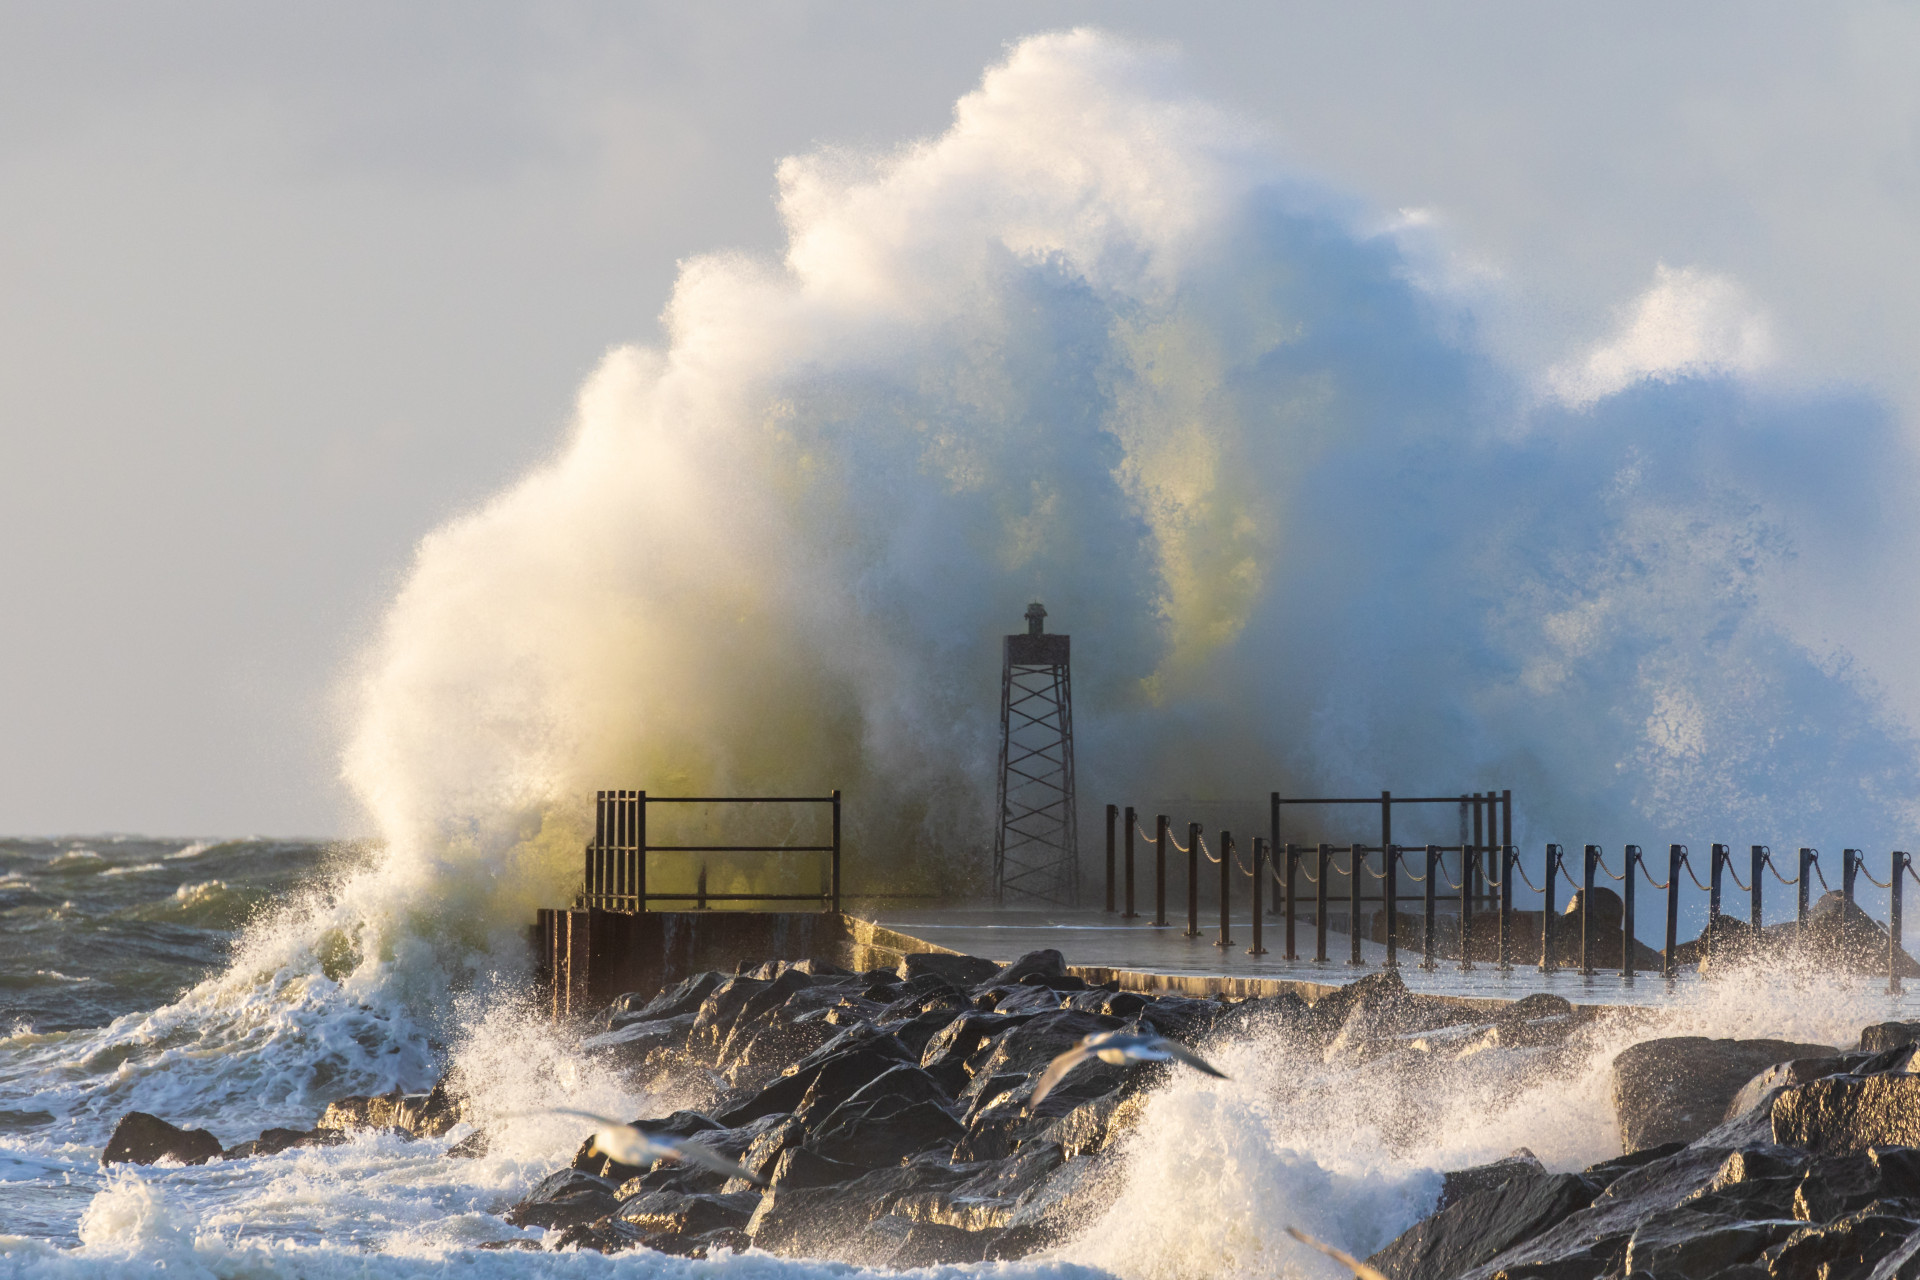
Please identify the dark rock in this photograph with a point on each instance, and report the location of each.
(918, 1031)
(1019, 998)
(1849, 1113)
(140, 1138)
(986, 1198)
(812, 968)
(1093, 1124)
(757, 1010)
(1376, 1007)
(682, 998)
(681, 1124)
(1181, 1018)
(1676, 1089)
(416, 1115)
(1026, 1049)
(1882, 1036)
(1848, 1248)
(1781, 1075)
(1685, 1242)
(837, 1075)
(885, 1130)
(962, 1037)
(565, 1198)
(1043, 964)
(714, 1020)
(1604, 1174)
(931, 1244)
(820, 1220)
(605, 1234)
(1541, 1004)
(634, 1038)
(679, 1213)
(764, 1151)
(961, 971)
(471, 1147)
(1836, 1185)
(729, 1144)
(274, 1141)
(1845, 938)
(1457, 1184)
(799, 1167)
(1481, 1225)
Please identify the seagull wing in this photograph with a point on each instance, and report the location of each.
(707, 1158)
(1192, 1059)
(1341, 1256)
(1056, 1071)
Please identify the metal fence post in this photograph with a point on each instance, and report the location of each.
(1586, 912)
(1160, 871)
(1258, 899)
(1722, 854)
(1849, 865)
(1320, 905)
(1292, 865)
(1549, 956)
(1894, 898)
(1507, 859)
(1806, 868)
(1193, 879)
(1391, 891)
(1760, 852)
(1356, 870)
(1634, 860)
(1131, 820)
(640, 851)
(1113, 814)
(1273, 843)
(1467, 864)
(1427, 939)
(1226, 889)
(835, 872)
(1669, 958)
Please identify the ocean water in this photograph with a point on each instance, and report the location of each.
(141, 992)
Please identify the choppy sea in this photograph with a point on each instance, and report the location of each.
(205, 982)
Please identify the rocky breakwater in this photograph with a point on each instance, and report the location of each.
(1743, 1160)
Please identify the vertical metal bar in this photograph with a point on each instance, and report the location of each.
(1806, 869)
(1427, 940)
(1273, 843)
(1257, 900)
(1894, 898)
(1635, 860)
(1113, 814)
(1669, 960)
(1587, 921)
(1549, 954)
(1160, 871)
(1193, 879)
(1721, 855)
(1292, 865)
(1390, 863)
(1131, 820)
(1507, 860)
(640, 851)
(1849, 864)
(1320, 904)
(1356, 875)
(1479, 840)
(836, 845)
(1759, 864)
(1226, 889)
(1466, 904)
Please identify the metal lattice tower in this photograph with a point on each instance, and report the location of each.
(1036, 844)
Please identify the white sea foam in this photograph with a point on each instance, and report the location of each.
(141, 869)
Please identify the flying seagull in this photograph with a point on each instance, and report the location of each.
(626, 1144)
(1341, 1256)
(1117, 1047)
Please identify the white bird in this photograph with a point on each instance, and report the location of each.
(1341, 1256)
(626, 1144)
(1117, 1048)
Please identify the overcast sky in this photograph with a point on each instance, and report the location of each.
(283, 287)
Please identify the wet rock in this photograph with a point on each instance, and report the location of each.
(634, 1038)
(960, 971)
(471, 1147)
(1882, 1036)
(1457, 1184)
(764, 1151)
(1045, 964)
(140, 1138)
(714, 1020)
(274, 1141)
(1092, 1125)
(1849, 1113)
(681, 1124)
(1019, 998)
(1781, 1075)
(1483, 1224)
(682, 998)
(1849, 1248)
(1686, 1242)
(988, 1197)
(678, 1213)
(564, 1198)
(1371, 1010)
(884, 1130)
(1025, 1050)
(419, 1115)
(828, 1076)
(918, 1031)
(1837, 1185)
(1677, 1088)
(931, 1244)
(1607, 1172)
(799, 1167)
(962, 1037)
(1845, 938)
(729, 1144)
(1181, 1018)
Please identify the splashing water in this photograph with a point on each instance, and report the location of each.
(1092, 345)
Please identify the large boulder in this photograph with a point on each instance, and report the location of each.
(564, 1198)
(1482, 1224)
(1850, 1113)
(1677, 1088)
(1045, 964)
(1839, 935)
(682, 998)
(961, 971)
(140, 1138)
